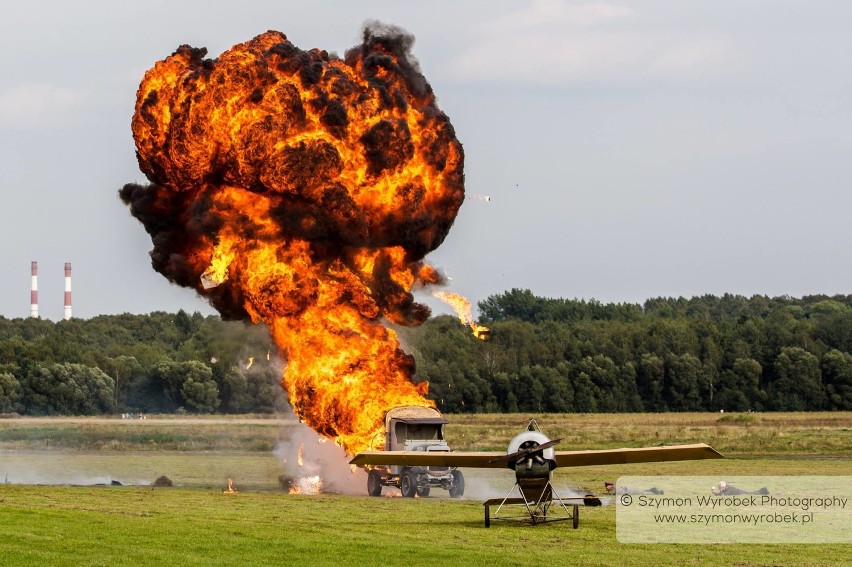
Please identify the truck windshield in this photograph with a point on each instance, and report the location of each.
(418, 431)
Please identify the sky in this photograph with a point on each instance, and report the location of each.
(614, 150)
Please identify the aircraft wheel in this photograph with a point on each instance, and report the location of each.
(408, 484)
(457, 491)
(423, 491)
(374, 484)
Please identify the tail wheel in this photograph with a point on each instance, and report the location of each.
(408, 484)
(374, 484)
(457, 490)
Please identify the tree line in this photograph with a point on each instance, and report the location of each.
(155, 363)
(545, 355)
(706, 353)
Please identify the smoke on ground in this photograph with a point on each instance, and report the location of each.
(321, 460)
(485, 484)
(58, 476)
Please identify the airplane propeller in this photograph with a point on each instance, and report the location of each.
(528, 450)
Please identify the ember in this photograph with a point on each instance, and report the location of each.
(303, 190)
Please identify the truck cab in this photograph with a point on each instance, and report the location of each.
(413, 428)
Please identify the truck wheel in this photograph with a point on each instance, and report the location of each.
(374, 484)
(457, 490)
(423, 491)
(408, 484)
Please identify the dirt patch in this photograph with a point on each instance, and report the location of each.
(163, 481)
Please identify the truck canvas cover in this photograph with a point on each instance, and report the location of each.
(418, 414)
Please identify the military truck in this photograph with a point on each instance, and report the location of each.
(413, 428)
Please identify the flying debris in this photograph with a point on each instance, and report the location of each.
(303, 189)
(461, 305)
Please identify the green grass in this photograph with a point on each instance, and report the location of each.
(195, 524)
(144, 526)
(156, 434)
(822, 433)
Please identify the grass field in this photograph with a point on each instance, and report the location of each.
(824, 433)
(195, 524)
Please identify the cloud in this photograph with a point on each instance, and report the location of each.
(550, 12)
(682, 55)
(551, 42)
(37, 104)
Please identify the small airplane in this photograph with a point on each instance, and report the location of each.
(531, 455)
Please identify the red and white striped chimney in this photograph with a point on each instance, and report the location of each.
(34, 291)
(67, 290)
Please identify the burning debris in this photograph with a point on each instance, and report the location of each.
(230, 489)
(461, 305)
(303, 190)
(304, 485)
(313, 466)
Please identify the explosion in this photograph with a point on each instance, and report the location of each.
(303, 190)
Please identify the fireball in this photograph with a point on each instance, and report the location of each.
(303, 190)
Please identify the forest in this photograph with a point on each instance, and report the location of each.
(706, 353)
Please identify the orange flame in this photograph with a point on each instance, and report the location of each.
(461, 305)
(217, 272)
(299, 455)
(230, 489)
(306, 485)
(304, 190)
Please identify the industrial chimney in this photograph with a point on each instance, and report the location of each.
(67, 290)
(34, 291)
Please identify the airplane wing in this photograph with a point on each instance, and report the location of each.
(637, 455)
(431, 459)
(496, 459)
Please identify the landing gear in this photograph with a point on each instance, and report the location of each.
(545, 509)
(423, 491)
